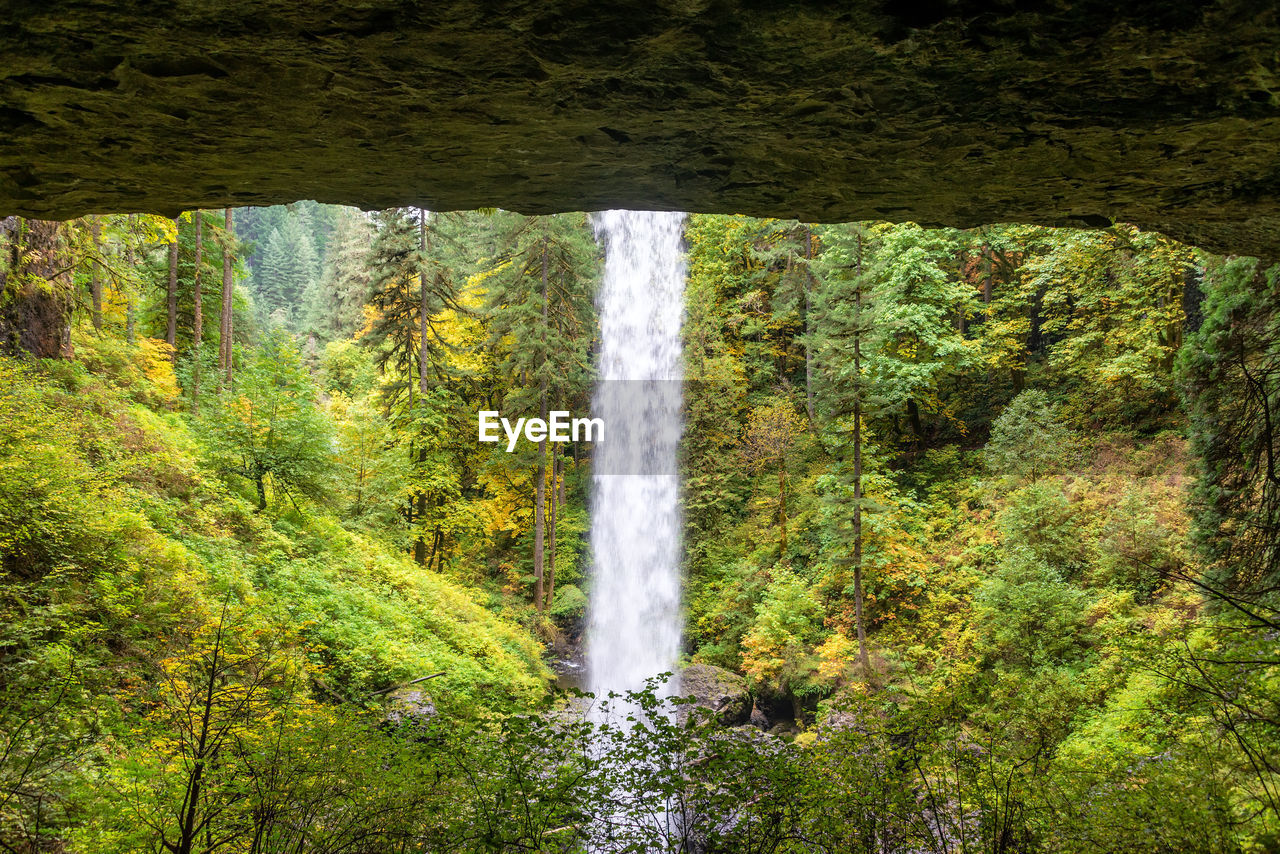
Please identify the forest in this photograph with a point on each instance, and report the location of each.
(981, 530)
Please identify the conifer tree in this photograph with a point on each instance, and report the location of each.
(1230, 372)
(95, 271)
(414, 282)
(197, 319)
(171, 293)
(404, 279)
(852, 325)
(227, 328)
(287, 271)
(785, 251)
(334, 305)
(540, 315)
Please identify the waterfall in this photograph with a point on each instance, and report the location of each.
(634, 628)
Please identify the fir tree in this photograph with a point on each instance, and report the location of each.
(288, 271)
(410, 289)
(334, 304)
(853, 332)
(540, 314)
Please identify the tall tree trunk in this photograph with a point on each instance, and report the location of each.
(808, 308)
(420, 544)
(95, 271)
(917, 427)
(423, 309)
(197, 322)
(857, 479)
(129, 320)
(560, 466)
(171, 304)
(225, 350)
(782, 506)
(538, 520)
(541, 477)
(420, 552)
(551, 531)
(37, 293)
(988, 278)
(857, 531)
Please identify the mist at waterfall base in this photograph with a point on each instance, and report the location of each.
(634, 613)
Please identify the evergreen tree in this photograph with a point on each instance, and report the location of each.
(269, 430)
(411, 288)
(786, 250)
(334, 304)
(1027, 439)
(853, 335)
(287, 272)
(540, 314)
(1231, 381)
(416, 271)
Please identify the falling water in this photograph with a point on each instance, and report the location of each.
(634, 630)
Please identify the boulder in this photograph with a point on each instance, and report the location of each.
(409, 706)
(722, 691)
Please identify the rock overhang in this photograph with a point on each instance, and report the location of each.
(955, 112)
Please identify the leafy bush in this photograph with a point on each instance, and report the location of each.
(1028, 441)
(1041, 519)
(268, 428)
(569, 607)
(1031, 617)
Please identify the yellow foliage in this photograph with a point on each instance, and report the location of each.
(835, 655)
(155, 357)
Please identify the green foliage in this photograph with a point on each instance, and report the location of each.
(269, 429)
(1033, 617)
(334, 305)
(1111, 306)
(539, 309)
(371, 474)
(1053, 666)
(288, 270)
(1041, 519)
(570, 605)
(411, 285)
(778, 648)
(1231, 380)
(1027, 440)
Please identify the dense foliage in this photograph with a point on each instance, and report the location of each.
(987, 519)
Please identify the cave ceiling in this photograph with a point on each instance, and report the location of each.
(1164, 114)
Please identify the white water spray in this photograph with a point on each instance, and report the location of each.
(634, 630)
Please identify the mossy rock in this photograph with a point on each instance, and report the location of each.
(722, 691)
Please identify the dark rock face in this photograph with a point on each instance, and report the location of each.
(35, 289)
(1165, 113)
(723, 692)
